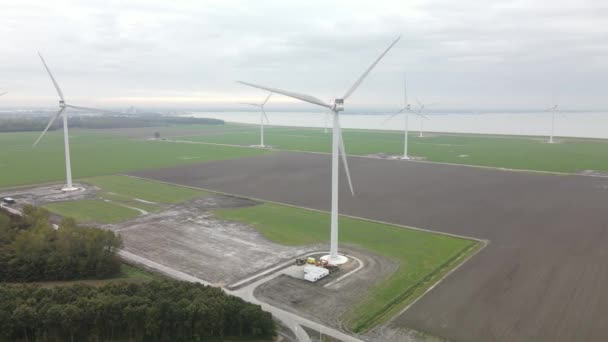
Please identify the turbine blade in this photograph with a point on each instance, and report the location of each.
(53, 118)
(249, 104)
(94, 109)
(303, 97)
(3, 93)
(344, 159)
(52, 78)
(423, 116)
(405, 89)
(362, 77)
(267, 98)
(395, 114)
(265, 116)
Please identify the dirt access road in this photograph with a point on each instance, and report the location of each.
(542, 276)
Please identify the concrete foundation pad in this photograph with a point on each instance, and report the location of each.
(338, 260)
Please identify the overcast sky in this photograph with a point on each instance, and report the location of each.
(187, 54)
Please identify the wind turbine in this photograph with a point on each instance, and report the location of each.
(406, 110)
(262, 117)
(553, 110)
(422, 117)
(62, 109)
(337, 148)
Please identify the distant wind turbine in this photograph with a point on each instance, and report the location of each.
(553, 110)
(406, 110)
(421, 108)
(263, 116)
(62, 108)
(337, 148)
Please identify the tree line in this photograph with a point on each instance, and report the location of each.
(154, 311)
(32, 250)
(35, 123)
(165, 310)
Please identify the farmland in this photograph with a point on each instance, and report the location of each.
(423, 257)
(96, 154)
(569, 155)
(105, 152)
(121, 198)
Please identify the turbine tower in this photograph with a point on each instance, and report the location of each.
(66, 140)
(553, 110)
(406, 110)
(335, 106)
(262, 116)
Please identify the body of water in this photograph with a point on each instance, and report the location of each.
(588, 125)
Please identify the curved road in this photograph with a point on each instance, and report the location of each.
(292, 321)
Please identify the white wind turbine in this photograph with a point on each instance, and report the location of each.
(406, 110)
(422, 117)
(553, 110)
(337, 148)
(62, 108)
(262, 116)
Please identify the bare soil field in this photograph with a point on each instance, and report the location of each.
(541, 278)
(185, 236)
(327, 300)
(188, 238)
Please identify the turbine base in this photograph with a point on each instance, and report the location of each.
(339, 260)
(67, 189)
(399, 157)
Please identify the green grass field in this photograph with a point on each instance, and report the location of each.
(423, 257)
(143, 189)
(118, 197)
(128, 273)
(529, 153)
(96, 154)
(88, 211)
(105, 152)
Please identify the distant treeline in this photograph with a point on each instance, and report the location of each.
(154, 311)
(32, 250)
(17, 124)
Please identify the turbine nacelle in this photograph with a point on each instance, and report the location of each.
(338, 105)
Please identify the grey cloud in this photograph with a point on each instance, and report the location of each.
(468, 53)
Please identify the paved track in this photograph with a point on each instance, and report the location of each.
(541, 278)
(292, 321)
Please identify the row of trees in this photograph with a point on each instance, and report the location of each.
(154, 311)
(32, 250)
(17, 124)
(22, 124)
